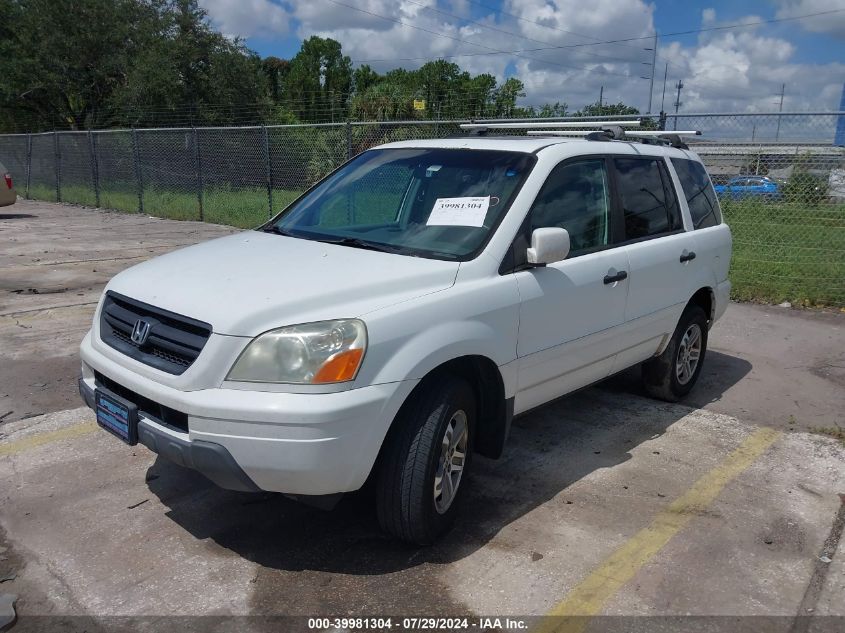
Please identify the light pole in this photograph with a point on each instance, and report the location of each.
(678, 102)
(653, 50)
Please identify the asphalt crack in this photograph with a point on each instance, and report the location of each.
(801, 624)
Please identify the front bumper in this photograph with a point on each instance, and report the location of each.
(212, 460)
(295, 443)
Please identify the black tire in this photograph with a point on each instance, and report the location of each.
(405, 500)
(660, 375)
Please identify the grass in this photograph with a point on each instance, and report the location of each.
(782, 251)
(243, 208)
(836, 432)
(787, 252)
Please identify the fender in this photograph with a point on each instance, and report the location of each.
(413, 358)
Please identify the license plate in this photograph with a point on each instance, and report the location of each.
(117, 416)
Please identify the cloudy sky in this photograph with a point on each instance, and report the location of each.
(560, 49)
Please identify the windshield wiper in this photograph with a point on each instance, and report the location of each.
(355, 242)
(276, 230)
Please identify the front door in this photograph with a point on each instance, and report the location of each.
(571, 311)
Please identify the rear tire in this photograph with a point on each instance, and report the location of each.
(428, 450)
(673, 374)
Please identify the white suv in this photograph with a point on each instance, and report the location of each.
(391, 322)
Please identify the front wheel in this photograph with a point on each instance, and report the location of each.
(422, 473)
(673, 374)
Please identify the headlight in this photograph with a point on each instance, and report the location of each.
(313, 353)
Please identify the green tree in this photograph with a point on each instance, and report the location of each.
(436, 83)
(617, 109)
(364, 78)
(385, 101)
(478, 92)
(319, 83)
(122, 62)
(62, 65)
(506, 95)
(607, 109)
(218, 79)
(805, 186)
(276, 71)
(406, 78)
(556, 109)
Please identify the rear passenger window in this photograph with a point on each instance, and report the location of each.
(575, 197)
(648, 199)
(699, 193)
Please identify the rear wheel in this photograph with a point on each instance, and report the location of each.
(673, 374)
(422, 473)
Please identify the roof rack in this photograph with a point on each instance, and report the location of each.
(602, 131)
(633, 133)
(556, 125)
(649, 137)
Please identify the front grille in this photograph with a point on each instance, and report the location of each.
(151, 409)
(173, 342)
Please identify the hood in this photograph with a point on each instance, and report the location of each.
(248, 283)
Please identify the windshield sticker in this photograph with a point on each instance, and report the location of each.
(459, 212)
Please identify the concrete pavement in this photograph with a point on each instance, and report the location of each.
(605, 503)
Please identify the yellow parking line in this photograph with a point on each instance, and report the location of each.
(589, 596)
(40, 439)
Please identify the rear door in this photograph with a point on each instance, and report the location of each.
(571, 311)
(712, 236)
(661, 256)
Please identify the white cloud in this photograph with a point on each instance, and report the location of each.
(579, 21)
(730, 70)
(831, 23)
(247, 18)
(323, 15)
(743, 70)
(723, 71)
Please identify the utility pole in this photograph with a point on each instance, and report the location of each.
(663, 100)
(678, 102)
(601, 99)
(653, 64)
(780, 109)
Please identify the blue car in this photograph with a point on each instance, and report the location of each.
(741, 187)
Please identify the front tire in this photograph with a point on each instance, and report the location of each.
(673, 374)
(422, 472)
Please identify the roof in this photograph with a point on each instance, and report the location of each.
(532, 144)
(527, 144)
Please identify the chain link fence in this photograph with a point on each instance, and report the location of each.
(780, 178)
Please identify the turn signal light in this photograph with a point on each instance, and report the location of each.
(340, 367)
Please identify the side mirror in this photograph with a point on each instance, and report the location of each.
(548, 245)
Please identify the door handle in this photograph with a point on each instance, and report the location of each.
(688, 257)
(609, 279)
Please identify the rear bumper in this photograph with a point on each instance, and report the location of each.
(295, 443)
(722, 297)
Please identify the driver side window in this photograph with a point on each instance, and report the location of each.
(575, 197)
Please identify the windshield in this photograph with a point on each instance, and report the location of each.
(438, 203)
